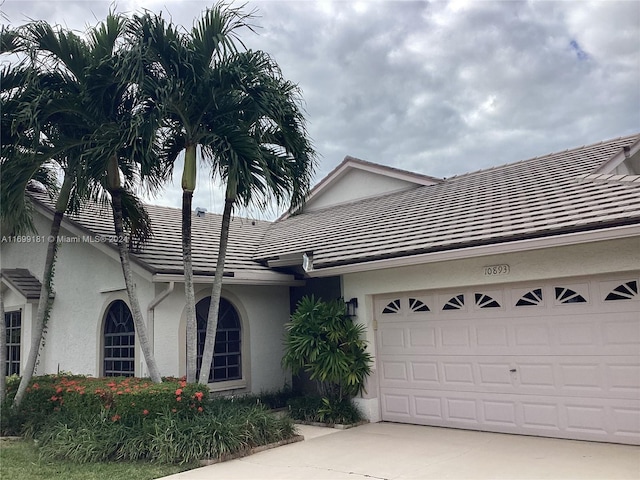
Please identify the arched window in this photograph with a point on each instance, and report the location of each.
(119, 341)
(227, 363)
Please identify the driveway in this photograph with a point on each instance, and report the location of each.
(404, 452)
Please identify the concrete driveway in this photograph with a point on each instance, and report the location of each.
(404, 452)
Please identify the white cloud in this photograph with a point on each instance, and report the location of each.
(441, 88)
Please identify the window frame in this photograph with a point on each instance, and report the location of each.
(13, 348)
(239, 381)
(132, 346)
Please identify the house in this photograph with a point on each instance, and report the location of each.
(504, 300)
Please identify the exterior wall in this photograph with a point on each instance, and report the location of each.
(356, 184)
(263, 312)
(13, 302)
(558, 262)
(84, 285)
(87, 281)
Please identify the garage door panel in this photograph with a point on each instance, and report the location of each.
(621, 331)
(557, 358)
(576, 418)
(620, 335)
(529, 375)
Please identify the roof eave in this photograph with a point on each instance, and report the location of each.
(109, 249)
(496, 248)
(264, 278)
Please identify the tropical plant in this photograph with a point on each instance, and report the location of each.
(263, 154)
(181, 73)
(94, 119)
(29, 151)
(324, 342)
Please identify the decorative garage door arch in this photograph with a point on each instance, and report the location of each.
(552, 358)
(227, 356)
(119, 341)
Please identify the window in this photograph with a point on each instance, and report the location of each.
(625, 291)
(566, 295)
(119, 341)
(454, 303)
(13, 321)
(227, 352)
(534, 297)
(485, 301)
(392, 307)
(418, 305)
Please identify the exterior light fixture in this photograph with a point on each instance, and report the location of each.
(351, 305)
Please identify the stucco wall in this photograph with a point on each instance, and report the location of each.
(263, 311)
(356, 184)
(87, 280)
(558, 262)
(84, 282)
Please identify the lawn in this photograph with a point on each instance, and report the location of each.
(19, 459)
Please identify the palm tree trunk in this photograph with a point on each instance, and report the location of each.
(189, 293)
(3, 350)
(44, 303)
(189, 173)
(216, 292)
(141, 328)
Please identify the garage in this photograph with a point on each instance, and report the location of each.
(556, 358)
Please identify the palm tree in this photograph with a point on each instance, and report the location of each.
(25, 158)
(104, 130)
(263, 153)
(181, 73)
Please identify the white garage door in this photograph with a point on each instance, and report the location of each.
(554, 358)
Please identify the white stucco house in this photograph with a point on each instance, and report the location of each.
(504, 300)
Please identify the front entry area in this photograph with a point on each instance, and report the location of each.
(555, 358)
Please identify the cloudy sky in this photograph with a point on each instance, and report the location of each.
(440, 88)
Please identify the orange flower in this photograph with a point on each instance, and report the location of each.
(145, 412)
(36, 386)
(59, 389)
(178, 399)
(53, 398)
(199, 396)
(178, 392)
(174, 410)
(115, 418)
(199, 409)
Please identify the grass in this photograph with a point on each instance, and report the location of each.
(20, 459)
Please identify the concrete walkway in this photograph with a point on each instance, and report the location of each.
(405, 452)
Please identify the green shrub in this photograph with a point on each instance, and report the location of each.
(124, 398)
(324, 410)
(226, 428)
(270, 399)
(324, 342)
(85, 419)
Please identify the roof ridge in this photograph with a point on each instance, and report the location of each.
(539, 157)
(37, 196)
(349, 158)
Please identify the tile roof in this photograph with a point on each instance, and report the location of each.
(163, 253)
(22, 280)
(528, 199)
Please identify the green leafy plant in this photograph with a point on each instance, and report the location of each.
(83, 419)
(324, 342)
(313, 408)
(123, 398)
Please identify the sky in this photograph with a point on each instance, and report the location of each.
(440, 88)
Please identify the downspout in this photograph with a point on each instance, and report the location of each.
(151, 311)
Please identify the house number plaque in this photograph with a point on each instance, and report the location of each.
(493, 270)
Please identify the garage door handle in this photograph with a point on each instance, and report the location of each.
(513, 370)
